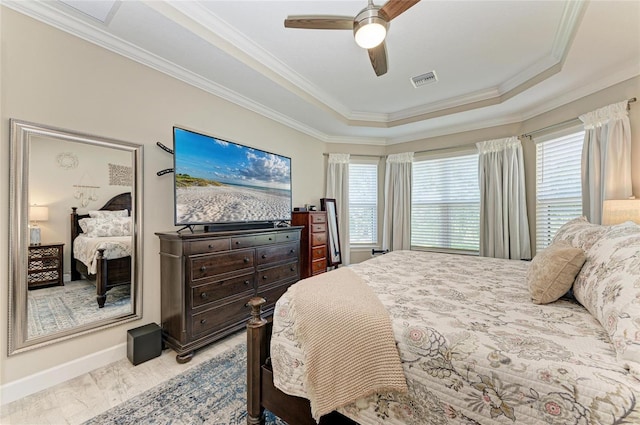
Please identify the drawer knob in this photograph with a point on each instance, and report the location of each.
(246, 259)
(246, 282)
(270, 238)
(292, 251)
(203, 269)
(287, 236)
(237, 242)
(210, 246)
(264, 255)
(203, 321)
(264, 277)
(293, 269)
(203, 295)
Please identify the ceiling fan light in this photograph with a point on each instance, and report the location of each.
(371, 34)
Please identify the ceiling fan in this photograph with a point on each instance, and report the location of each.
(369, 27)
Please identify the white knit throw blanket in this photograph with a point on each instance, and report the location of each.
(347, 340)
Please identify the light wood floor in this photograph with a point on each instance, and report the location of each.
(86, 396)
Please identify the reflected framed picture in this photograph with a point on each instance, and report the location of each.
(333, 239)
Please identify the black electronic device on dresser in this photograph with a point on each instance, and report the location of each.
(208, 277)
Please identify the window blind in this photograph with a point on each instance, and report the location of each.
(363, 203)
(558, 185)
(445, 203)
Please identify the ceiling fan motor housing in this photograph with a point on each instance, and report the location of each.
(372, 19)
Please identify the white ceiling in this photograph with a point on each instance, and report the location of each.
(497, 62)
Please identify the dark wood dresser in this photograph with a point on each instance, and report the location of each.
(207, 279)
(313, 241)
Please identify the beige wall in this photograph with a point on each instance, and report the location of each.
(52, 78)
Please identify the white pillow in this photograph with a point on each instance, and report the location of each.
(108, 213)
(103, 227)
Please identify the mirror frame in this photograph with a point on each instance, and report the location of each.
(329, 205)
(21, 133)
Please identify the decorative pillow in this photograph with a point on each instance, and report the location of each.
(108, 214)
(609, 287)
(101, 227)
(580, 233)
(552, 272)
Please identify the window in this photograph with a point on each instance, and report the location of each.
(445, 203)
(363, 203)
(558, 185)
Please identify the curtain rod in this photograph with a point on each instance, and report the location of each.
(563, 123)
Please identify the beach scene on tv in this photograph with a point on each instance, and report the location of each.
(219, 181)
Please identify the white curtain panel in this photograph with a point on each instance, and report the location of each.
(504, 225)
(396, 230)
(606, 158)
(338, 189)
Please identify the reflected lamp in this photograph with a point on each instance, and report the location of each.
(36, 213)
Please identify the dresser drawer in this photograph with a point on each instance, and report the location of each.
(249, 241)
(216, 291)
(211, 245)
(318, 218)
(276, 253)
(220, 317)
(319, 252)
(204, 266)
(287, 236)
(317, 228)
(318, 239)
(278, 273)
(319, 266)
(272, 295)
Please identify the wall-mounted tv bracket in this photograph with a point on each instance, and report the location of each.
(167, 171)
(169, 151)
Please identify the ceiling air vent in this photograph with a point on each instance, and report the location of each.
(424, 79)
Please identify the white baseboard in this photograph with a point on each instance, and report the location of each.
(15, 390)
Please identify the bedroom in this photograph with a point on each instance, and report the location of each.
(51, 77)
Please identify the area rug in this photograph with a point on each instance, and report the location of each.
(58, 308)
(213, 392)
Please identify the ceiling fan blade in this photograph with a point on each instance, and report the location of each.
(393, 8)
(378, 56)
(319, 22)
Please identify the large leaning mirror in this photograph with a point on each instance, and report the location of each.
(75, 234)
(333, 240)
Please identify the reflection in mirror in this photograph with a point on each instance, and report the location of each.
(75, 234)
(333, 241)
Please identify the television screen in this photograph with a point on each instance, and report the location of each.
(217, 181)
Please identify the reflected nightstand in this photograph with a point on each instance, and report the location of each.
(45, 265)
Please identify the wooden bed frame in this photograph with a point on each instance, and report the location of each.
(261, 393)
(109, 273)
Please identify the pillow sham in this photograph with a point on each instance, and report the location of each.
(580, 233)
(103, 227)
(552, 272)
(108, 213)
(609, 287)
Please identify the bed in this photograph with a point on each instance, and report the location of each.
(473, 346)
(106, 258)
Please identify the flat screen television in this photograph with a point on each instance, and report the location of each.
(222, 184)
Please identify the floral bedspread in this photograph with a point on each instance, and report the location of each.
(85, 249)
(476, 350)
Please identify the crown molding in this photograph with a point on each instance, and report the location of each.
(45, 12)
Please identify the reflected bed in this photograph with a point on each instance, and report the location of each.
(108, 264)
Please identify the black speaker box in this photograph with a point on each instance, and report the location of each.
(144, 343)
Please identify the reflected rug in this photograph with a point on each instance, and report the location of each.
(59, 308)
(213, 392)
